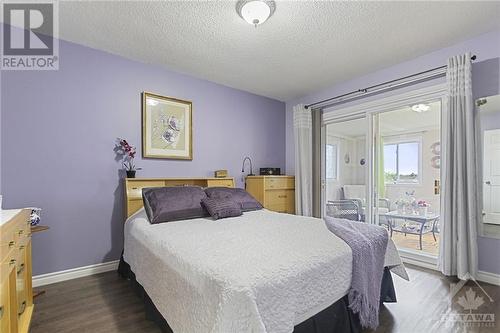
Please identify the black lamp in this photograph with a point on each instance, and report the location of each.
(243, 166)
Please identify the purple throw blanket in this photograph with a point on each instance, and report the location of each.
(368, 244)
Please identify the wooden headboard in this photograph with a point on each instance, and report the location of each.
(134, 186)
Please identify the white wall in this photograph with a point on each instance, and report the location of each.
(351, 173)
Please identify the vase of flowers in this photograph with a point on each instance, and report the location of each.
(423, 208)
(127, 153)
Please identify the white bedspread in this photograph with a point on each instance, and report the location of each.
(260, 272)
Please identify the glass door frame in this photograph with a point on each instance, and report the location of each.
(337, 117)
(371, 110)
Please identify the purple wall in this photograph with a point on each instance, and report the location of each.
(58, 131)
(486, 72)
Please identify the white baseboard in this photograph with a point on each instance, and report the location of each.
(74, 273)
(489, 277)
(481, 275)
(419, 263)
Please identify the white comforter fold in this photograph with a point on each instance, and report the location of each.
(260, 272)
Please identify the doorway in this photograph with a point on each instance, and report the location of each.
(381, 165)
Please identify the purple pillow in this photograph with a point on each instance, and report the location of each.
(221, 208)
(165, 204)
(238, 195)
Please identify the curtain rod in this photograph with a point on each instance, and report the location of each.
(425, 75)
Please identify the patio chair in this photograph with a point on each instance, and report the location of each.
(344, 209)
(358, 193)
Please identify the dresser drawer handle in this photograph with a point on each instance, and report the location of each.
(23, 307)
(12, 261)
(281, 196)
(1, 312)
(21, 232)
(12, 243)
(21, 247)
(21, 269)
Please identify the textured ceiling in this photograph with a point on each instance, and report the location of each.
(305, 46)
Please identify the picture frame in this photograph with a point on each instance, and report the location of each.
(167, 127)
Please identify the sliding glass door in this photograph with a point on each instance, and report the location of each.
(381, 165)
(345, 169)
(406, 175)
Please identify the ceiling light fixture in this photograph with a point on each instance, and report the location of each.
(255, 12)
(420, 108)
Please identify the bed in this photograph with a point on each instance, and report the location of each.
(259, 272)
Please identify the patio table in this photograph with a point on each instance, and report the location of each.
(420, 220)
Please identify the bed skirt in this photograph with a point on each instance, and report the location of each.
(336, 318)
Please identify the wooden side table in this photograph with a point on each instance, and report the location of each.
(35, 229)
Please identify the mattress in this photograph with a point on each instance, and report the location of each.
(260, 272)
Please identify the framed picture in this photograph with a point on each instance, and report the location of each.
(167, 130)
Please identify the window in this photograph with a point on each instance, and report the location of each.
(402, 162)
(331, 162)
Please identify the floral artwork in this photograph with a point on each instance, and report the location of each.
(167, 130)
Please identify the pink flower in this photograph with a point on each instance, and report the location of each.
(422, 203)
(128, 152)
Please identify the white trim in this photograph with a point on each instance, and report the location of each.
(74, 273)
(419, 258)
(488, 277)
(421, 261)
(372, 124)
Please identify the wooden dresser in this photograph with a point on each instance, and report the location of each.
(16, 294)
(275, 193)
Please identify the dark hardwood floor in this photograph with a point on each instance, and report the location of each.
(106, 303)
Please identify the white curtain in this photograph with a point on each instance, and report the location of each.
(459, 199)
(302, 130)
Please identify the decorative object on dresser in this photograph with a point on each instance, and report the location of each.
(126, 152)
(220, 173)
(270, 171)
(35, 216)
(16, 294)
(275, 193)
(134, 186)
(167, 130)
